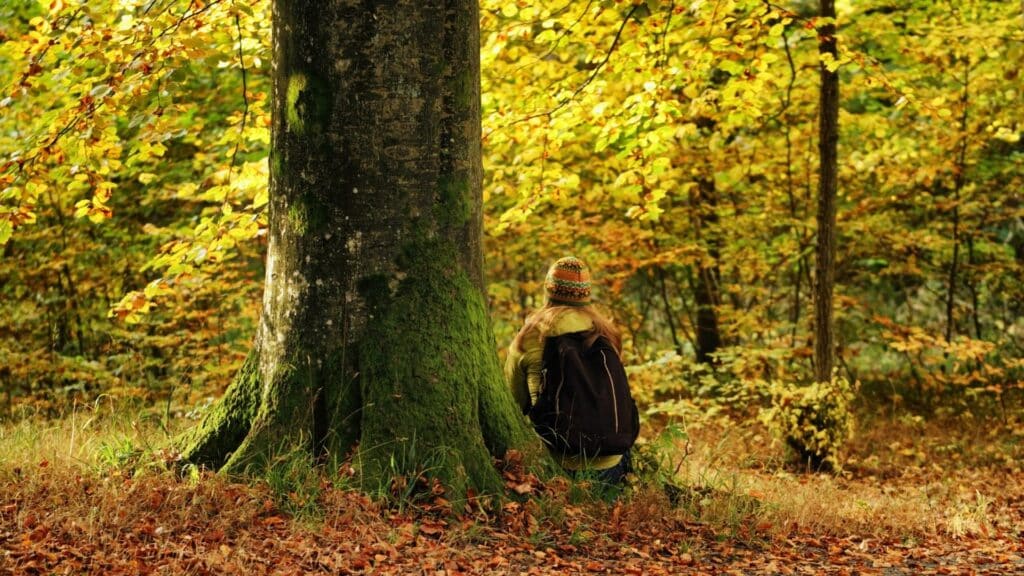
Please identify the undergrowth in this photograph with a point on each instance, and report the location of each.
(904, 477)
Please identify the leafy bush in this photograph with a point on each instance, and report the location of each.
(814, 420)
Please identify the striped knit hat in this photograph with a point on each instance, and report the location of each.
(568, 282)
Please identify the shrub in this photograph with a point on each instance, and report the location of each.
(814, 420)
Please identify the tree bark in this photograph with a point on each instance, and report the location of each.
(828, 182)
(706, 294)
(374, 329)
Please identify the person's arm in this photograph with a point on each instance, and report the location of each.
(532, 361)
(516, 377)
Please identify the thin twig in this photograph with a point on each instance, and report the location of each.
(608, 55)
(664, 34)
(187, 15)
(245, 96)
(565, 32)
(581, 87)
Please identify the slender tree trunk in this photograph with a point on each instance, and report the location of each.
(670, 314)
(706, 294)
(374, 331)
(972, 286)
(958, 185)
(794, 212)
(828, 182)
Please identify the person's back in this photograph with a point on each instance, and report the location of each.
(567, 310)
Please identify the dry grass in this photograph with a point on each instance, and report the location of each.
(902, 482)
(92, 435)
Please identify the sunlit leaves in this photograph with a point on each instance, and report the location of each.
(106, 78)
(726, 93)
(633, 125)
(643, 136)
(115, 117)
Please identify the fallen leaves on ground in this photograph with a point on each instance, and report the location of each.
(55, 521)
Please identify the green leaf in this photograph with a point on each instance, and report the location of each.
(732, 67)
(5, 231)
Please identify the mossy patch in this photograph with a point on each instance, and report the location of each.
(296, 84)
(307, 104)
(453, 208)
(298, 217)
(275, 163)
(426, 355)
(306, 215)
(226, 424)
(463, 90)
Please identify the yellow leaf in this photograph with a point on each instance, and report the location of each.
(261, 198)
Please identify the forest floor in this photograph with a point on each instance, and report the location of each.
(916, 498)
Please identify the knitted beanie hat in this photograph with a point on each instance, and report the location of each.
(568, 282)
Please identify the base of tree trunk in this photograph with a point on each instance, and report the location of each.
(420, 392)
(227, 423)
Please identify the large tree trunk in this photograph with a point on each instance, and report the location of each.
(828, 182)
(374, 329)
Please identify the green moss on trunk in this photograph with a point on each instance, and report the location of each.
(283, 422)
(453, 207)
(422, 363)
(308, 104)
(227, 423)
(309, 406)
(341, 411)
(503, 426)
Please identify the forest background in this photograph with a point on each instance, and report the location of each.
(672, 146)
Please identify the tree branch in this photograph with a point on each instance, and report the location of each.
(597, 69)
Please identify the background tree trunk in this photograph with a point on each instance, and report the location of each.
(706, 293)
(828, 138)
(374, 330)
